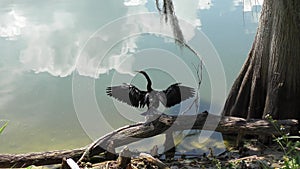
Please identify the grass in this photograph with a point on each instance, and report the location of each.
(3, 127)
(290, 145)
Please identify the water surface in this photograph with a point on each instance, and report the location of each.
(40, 48)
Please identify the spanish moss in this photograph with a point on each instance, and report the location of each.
(169, 17)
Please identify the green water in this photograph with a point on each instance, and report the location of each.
(47, 46)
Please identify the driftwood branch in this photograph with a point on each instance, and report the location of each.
(40, 158)
(162, 123)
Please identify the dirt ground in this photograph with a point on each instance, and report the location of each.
(252, 155)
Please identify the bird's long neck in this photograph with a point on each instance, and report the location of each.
(149, 88)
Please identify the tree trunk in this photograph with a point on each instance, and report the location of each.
(269, 82)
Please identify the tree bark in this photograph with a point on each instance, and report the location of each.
(269, 82)
(132, 133)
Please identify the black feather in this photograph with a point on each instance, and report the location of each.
(175, 94)
(128, 94)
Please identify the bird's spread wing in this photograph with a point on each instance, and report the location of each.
(128, 94)
(174, 94)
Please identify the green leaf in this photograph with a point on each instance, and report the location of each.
(3, 127)
(29, 167)
(294, 137)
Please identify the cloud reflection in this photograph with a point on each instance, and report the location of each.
(134, 2)
(52, 45)
(205, 4)
(11, 25)
(129, 45)
(248, 5)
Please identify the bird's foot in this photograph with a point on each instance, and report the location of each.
(147, 113)
(148, 124)
(148, 120)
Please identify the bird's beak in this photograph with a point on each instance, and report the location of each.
(137, 71)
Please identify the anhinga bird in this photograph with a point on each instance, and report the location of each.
(131, 95)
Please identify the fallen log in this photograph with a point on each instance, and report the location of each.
(203, 121)
(162, 123)
(39, 158)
